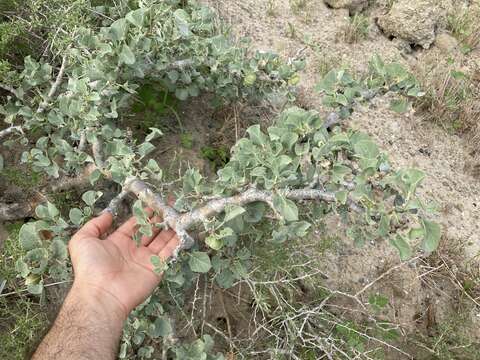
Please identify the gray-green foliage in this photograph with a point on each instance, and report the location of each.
(184, 52)
(342, 90)
(187, 55)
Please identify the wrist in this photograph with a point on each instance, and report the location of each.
(98, 304)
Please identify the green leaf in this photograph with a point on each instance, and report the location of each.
(378, 301)
(232, 212)
(191, 180)
(48, 211)
(118, 29)
(159, 265)
(136, 17)
(366, 149)
(225, 278)
(432, 236)
(28, 236)
(76, 216)
(416, 233)
(55, 119)
(155, 133)
(58, 249)
(412, 178)
(341, 197)
(161, 327)
(402, 246)
(90, 197)
(256, 135)
(95, 176)
(327, 84)
(214, 242)
(341, 99)
(181, 94)
(384, 225)
(126, 55)
(140, 213)
(399, 105)
(145, 149)
(22, 268)
(199, 262)
(285, 207)
(339, 171)
(35, 289)
(182, 21)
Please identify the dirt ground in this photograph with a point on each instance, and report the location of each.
(421, 293)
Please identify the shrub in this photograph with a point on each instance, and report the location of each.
(271, 173)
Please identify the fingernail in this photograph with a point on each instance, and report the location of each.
(108, 211)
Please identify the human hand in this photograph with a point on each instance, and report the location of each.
(115, 271)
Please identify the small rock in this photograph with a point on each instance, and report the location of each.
(446, 42)
(414, 21)
(353, 6)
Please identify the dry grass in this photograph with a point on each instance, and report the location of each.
(452, 98)
(464, 25)
(356, 30)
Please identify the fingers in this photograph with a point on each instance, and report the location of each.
(129, 227)
(165, 242)
(155, 230)
(169, 247)
(96, 227)
(161, 240)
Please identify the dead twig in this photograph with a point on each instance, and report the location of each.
(43, 105)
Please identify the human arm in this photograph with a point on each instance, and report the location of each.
(112, 276)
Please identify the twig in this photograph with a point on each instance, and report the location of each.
(11, 212)
(204, 303)
(43, 105)
(115, 203)
(8, 88)
(97, 153)
(457, 283)
(332, 119)
(385, 274)
(9, 130)
(181, 223)
(67, 183)
(230, 343)
(227, 318)
(83, 141)
(45, 286)
(369, 337)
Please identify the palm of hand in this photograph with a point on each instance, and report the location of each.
(116, 266)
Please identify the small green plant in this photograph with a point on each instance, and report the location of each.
(186, 140)
(463, 24)
(218, 156)
(271, 8)
(325, 62)
(357, 29)
(343, 91)
(154, 103)
(24, 318)
(298, 5)
(451, 98)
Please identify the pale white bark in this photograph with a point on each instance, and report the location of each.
(182, 222)
(43, 105)
(10, 130)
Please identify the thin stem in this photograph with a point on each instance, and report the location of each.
(9, 130)
(54, 87)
